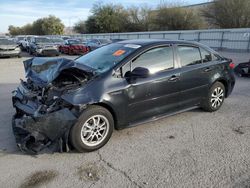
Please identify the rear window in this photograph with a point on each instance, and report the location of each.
(189, 55)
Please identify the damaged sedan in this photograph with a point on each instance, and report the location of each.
(65, 104)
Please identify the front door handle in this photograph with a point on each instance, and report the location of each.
(174, 78)
(208, 69)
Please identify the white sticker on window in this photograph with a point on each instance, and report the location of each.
(135, 46)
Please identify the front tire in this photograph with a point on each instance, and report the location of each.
(215, 97)
(92, 130)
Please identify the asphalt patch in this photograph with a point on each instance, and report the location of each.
(89, 172)
(39, 178)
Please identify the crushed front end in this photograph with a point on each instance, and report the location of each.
(43, 120)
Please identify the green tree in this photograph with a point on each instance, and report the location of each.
(91, 25)
(80, 27)
(176, 18)
(109, 18)
(228, 13)
(50, 25)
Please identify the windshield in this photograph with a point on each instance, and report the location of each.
(43, 40)
(7, 42)
(104, 58)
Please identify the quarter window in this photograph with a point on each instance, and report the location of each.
(189, 55)
(155, 60)
(205, 55)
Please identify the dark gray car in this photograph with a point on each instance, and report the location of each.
(78, 103)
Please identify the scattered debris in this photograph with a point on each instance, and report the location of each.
(238, 130)
(89, 172)
(171, 137)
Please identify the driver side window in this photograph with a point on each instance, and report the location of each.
(155, 60)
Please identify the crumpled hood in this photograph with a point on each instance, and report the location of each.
(43, 71)
(8, 47)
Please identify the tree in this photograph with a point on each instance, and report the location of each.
(139, 18)
(229, 13)
(176, 18)
(80, 27)
(109, 18)
(91, 25)
(50, 25)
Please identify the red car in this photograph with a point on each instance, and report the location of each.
(73, 47)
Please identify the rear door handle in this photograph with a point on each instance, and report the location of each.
(208, 69)
(174, 78)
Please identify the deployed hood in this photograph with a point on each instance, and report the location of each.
(43, 71)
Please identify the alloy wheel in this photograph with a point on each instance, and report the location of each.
(217, 97)
(94, 130)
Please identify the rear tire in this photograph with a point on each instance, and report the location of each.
(92, 130)
(215, 98)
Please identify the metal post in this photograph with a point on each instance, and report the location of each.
(222, 39)
(179, 36)
(199, 35)
(248, 45)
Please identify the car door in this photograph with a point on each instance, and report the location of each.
(194, 75)
(159, 92)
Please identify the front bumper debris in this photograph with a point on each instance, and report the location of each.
(35, 135)
(38, 127)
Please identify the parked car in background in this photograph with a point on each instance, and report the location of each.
(8, 48)
(73, 47)
(58, 41)
(65, 37)
(117, 40)
(24, 44)
(43, 46)
(19, 38)
(82, 40)
(97, 43)
(116, 86)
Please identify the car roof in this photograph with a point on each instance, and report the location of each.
(145, 42)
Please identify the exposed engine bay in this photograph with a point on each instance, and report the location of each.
(43, 119)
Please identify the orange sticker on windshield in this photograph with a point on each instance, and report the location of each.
(119, 52)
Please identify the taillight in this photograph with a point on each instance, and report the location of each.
(231, 65)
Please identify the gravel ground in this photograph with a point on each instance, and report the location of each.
(192, 149)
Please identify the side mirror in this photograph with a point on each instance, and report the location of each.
(140, 72)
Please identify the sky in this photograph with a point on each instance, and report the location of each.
(21, 12)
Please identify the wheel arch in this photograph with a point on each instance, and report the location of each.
(224, 82)
(111, 110)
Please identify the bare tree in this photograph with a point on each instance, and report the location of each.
(229, 13)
